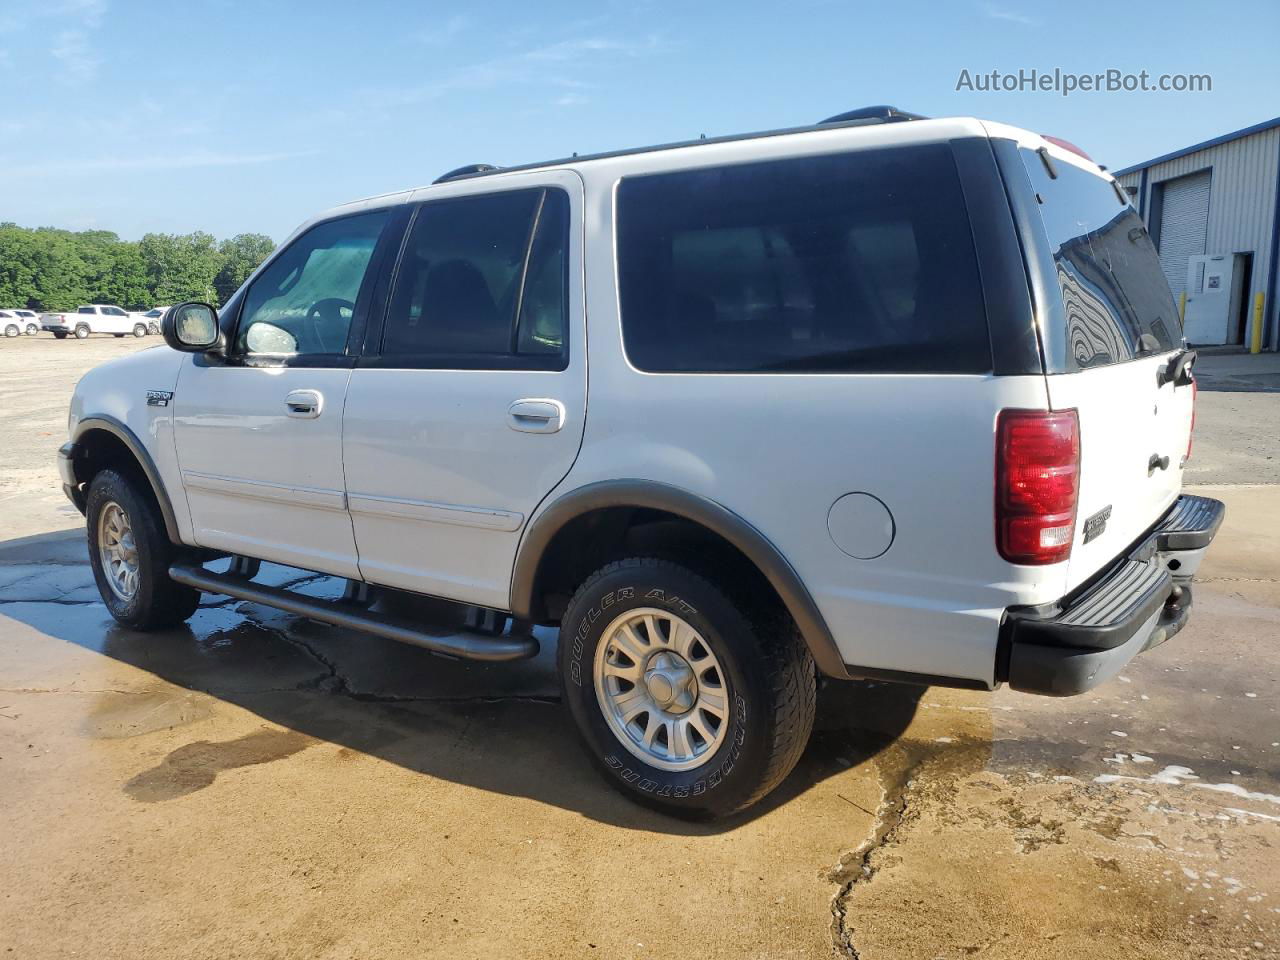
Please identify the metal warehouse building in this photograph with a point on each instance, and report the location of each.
(1213, 210)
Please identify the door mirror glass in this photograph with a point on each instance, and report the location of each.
(264, 337)
(191, 327)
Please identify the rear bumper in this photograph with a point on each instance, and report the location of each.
(1071, 646)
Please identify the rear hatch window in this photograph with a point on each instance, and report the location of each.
(1118, 304)
(1116, 329)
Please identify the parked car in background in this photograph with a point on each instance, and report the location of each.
(28, 321)
(93, 318)
(10, 323)
(152, 318)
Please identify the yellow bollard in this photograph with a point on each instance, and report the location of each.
(1255, 345)
(1182, 307)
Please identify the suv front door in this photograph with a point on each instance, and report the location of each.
(469, 404)
(259, 434)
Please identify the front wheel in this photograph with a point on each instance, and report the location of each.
(130, 555)
(11, 330)
(139, 329)
(82, 331)
(685, 702)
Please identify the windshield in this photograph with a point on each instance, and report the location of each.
(1117, 302)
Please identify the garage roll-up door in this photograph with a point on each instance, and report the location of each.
(1184, 217)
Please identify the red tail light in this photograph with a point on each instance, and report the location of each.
(1037, 484)
(1191, 433)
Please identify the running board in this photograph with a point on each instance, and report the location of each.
(464, 645)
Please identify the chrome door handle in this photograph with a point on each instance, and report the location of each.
(536, 416)
(304, 404)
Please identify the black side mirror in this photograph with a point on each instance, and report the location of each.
(191, 327)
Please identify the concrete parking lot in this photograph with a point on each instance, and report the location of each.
(261, 786)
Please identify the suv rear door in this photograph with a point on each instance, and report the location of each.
(1110, 332)
(468, 406)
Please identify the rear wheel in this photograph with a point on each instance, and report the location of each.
(130, 554)
(32, 329)
(685, 701)
(139, 329)
(11, 330)
(60, 334)
(82, 331)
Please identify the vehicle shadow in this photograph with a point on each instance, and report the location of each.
(498, 728)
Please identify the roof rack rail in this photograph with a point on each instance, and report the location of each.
(469, 170)
(865, 116)
(882, 112)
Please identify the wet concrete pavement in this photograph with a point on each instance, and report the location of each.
(262, 786)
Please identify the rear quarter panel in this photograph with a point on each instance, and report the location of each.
(781, 449)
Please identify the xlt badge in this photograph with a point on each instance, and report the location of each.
(159, 398)
(1094, 526)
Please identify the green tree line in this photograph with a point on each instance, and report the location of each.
(49, 269)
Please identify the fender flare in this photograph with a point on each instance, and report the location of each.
(140, 453)
(651, 494)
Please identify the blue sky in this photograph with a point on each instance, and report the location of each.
(234, 116)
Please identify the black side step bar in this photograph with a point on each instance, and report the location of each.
(464, 645)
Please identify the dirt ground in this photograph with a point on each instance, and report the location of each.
(260, 786)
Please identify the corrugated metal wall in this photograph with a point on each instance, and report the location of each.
(1242, 204)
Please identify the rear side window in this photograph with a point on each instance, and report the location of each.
(1116, 300)
(483, 284)
(845, 263)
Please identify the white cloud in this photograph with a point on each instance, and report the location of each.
(444, 32)
(571, 100)
(1010, 16)
(72, 50)
(529, 66)
(145, 162)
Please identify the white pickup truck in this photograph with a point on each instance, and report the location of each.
(94, 318)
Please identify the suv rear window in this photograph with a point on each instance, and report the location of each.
(842, 263)
(1116, 299)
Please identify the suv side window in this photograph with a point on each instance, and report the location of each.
(303, 302)
(482, 284)
(843, 263)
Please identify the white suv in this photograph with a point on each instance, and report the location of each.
(15, 322)
(905, 400)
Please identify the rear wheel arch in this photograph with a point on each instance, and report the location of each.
(602, 507)
(103, 441)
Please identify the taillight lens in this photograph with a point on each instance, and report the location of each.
(1037, 484)
(1191, 432)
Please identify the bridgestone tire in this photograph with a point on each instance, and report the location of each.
(768, 673)
(159, 602)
